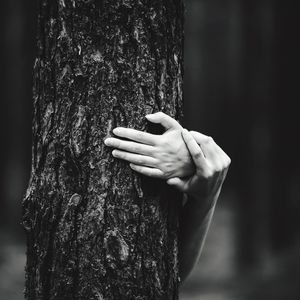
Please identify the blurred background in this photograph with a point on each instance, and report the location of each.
(241, 87)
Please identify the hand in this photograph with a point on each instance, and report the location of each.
(211, 163)
(161, 156)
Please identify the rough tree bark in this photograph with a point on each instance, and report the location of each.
(95, 229)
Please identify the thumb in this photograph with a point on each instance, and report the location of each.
(163, 119)
(178, 183)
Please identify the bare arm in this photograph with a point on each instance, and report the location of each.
(192, 235)
(191, 162)
(203, 189)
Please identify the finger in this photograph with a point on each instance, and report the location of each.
(129, 146)
(207, 144)
(136, 135)
(194, 149)
(210, 149)
(151, 172)
(200, 137)
(224, 158)
(135, 158)
(163, 119)
(177, 183)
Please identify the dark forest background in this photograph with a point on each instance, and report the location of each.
(241, 87)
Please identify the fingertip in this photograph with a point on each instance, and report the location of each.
(149, 116)
(109, 141)
(156, 114)
(169, 181)
(177, 183)
(153, 117)
(173, 181)
(116, 130)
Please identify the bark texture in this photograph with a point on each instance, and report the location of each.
(95, 229)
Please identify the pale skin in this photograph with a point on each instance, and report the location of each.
(188, 160)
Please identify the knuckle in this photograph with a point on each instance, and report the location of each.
(188, 137)
(168, 166)
(168, 146)
(210, 139)
(198, 155)
(134, 148)
(140, 161)
(228, 160)
(208, 173)
(218, 169)
(170, 119)
(164, 143)
(138, 135)
(155, 153)
(155, 162)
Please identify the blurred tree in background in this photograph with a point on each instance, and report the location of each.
(241, 87)
(17, 53)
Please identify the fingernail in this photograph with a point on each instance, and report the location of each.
(116, 130)
(170, 181)
(107, 141)
(113, 153)
(185, 131)
(149, 116)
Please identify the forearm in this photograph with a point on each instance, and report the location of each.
(191, 162)
(194, 223)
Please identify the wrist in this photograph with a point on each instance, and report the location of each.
(201, 202)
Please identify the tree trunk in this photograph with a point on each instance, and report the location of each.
(95, 229)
